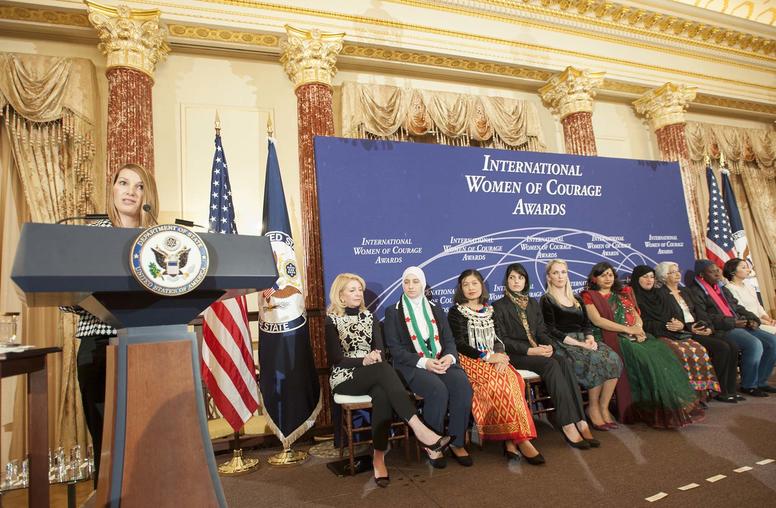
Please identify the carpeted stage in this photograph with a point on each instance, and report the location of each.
(632, 464)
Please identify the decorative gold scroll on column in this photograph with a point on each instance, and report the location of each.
(569, 95)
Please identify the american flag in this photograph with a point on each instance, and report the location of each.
(719, 237)
(227, 358)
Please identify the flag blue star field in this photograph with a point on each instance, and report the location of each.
(719, 237)
(221, 209)
(290, 392)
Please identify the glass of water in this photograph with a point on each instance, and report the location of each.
(8, 330)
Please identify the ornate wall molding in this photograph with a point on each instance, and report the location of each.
(129, 37)
(665, 105)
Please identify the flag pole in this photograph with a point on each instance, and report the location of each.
(238, 464)
(289, 456)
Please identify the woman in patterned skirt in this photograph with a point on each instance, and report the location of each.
(355, 349)
(498, 406)
(596, 365)
(656, 311)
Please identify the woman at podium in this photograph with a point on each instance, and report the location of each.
(355, 349)
(133, 188)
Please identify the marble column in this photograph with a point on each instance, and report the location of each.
(664, 108)
(134, 43)
(569, 95)
(309, 58)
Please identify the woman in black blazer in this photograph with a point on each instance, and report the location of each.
(520, 325)
(423, 351)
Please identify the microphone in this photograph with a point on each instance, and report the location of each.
(147, 209)
(188, 223)
(88, 216)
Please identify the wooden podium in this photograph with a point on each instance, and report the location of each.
(156, 448)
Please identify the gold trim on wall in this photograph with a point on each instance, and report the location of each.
(193, 32)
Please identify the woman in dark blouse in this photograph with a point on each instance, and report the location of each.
(355, 349)
(596, 365)
(520, 325)
(498, 405)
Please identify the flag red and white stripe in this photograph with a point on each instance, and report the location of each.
(227, 360)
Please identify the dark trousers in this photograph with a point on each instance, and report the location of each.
(558, 377)
(443, 394)
(724, 357)
(381, 382)
(91, 379)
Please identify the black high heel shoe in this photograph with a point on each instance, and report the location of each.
(580, 445)
(593, 442)
(510, 455)
(382, 481)
(441, 444)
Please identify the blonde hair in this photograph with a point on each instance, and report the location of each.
(336, 306)
(567, 289)
(150, 197)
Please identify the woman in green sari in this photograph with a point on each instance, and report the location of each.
(653, 388)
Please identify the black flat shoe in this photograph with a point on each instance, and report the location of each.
(464, 460)
(439, 463)
(580, 445)
(730, 399)
(754, 392)
(739, 398)
(767, 389)
(441, 444)
(383, 481)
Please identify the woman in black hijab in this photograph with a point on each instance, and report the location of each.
(663, 320)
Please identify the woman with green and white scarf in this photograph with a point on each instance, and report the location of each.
(423, 351)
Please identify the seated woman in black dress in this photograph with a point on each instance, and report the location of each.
(354, 346)
(520, 325)
(423, 351)
(596, 365)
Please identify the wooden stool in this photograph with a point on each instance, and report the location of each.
(350, 403)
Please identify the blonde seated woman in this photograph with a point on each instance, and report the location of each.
(355, 349)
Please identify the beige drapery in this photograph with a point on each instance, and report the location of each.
(48, 107)
(397, 113)
(751, 158)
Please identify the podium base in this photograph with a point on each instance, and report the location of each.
(288, 458)
(238, 465)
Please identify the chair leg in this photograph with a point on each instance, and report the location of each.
(351, 450)
(406, 442)
(342, 432)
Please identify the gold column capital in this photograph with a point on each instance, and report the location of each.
(310, 56)
(571, 91)
(129, 37)
(665, 105)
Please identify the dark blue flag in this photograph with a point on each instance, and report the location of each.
(288, 381)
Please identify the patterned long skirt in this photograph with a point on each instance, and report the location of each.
(498, 406)
(592, 368)
(696, 362)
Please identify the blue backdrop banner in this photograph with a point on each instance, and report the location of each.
(385, 206)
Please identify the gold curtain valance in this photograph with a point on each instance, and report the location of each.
(391, 112)
(48, 104)
(739, 145)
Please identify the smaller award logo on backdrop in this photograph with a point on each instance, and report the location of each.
(169, 260)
